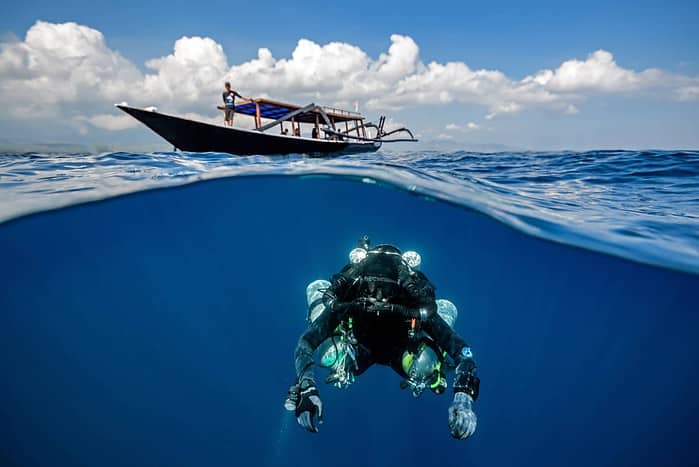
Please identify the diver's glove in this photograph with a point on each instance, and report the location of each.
(462, 419)
(308, 406)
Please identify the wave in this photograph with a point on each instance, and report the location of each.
(640, 205)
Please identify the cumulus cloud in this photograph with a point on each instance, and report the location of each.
(189, 75)
(68, 71)
(599, 72)
(58, 65)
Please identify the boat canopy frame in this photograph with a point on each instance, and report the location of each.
(273, 110)
(300, 112)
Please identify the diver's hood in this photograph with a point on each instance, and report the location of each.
(385, 249)
(382, 261)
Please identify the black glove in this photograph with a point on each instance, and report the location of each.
(308, 405)
(465, 378)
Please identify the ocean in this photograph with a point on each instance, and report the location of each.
(150, 305)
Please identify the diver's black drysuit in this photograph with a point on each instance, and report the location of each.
(385, 298)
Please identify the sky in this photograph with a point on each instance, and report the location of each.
(538, 75)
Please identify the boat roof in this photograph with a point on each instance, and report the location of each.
(274, 109)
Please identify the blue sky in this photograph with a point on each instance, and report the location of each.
(515, 38)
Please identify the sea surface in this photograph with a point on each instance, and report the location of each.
(150, 305)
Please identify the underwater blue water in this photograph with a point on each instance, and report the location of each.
(157, 328)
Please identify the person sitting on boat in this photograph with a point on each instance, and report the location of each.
(229, 96)
(381, 309)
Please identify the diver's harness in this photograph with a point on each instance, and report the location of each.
(372, 305)
(376, 303)
(369, 305)
(345, 343)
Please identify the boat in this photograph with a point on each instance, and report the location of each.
(334, 131)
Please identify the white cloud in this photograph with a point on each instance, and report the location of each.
(188, 76)
(599, 72)
(571, 110)
(68, 71)
(110, 122)
(688, 93)
(467, 127)
(58, 65)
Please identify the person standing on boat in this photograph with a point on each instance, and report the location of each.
(229, 96)
(380, 309)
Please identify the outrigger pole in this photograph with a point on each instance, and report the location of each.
(380, 134)
(380, 139)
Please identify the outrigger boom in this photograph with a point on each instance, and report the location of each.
(381, 134)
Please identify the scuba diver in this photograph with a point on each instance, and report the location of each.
(381, 309)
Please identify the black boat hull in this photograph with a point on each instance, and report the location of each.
(193, 136)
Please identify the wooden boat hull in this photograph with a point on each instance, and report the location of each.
(193, 136)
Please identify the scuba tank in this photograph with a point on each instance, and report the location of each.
(423, 367)
(424, 370)
(314, 297)
(447, 310)
(337, 353)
